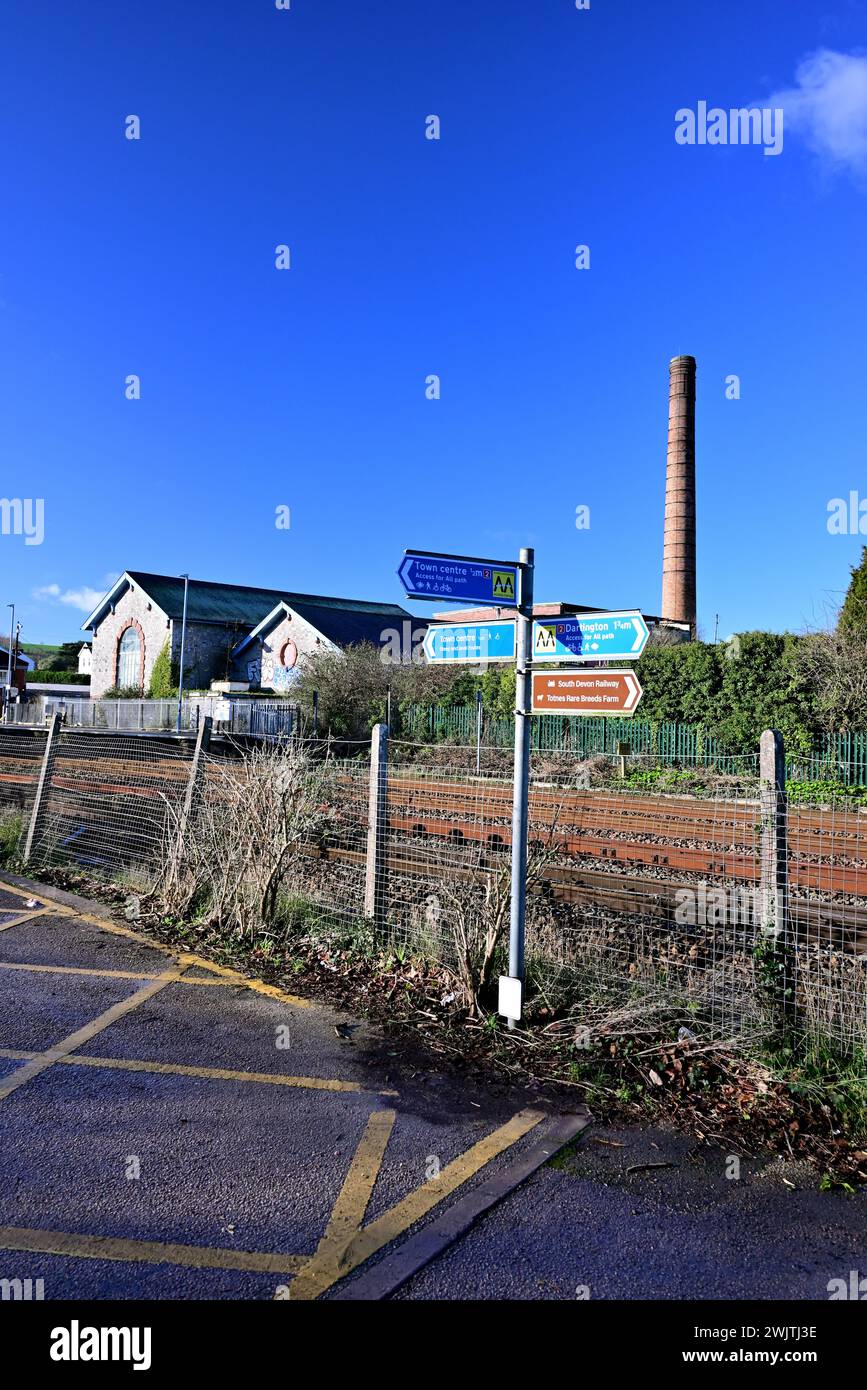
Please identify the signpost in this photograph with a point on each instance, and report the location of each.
(511, 987)
(470, 642)
(459, 578)
(591, 637)
(585, 692)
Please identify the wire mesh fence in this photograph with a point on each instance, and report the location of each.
(323, 879)
(106, 799)
(728, 904)
(618, 881)
(827, 919)
(21, 753)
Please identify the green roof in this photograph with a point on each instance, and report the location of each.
(237, 603)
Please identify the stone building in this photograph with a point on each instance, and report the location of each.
(256, 638)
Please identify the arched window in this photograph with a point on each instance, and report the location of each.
(129, 658)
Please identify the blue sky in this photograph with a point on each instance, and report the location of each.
(306, 388)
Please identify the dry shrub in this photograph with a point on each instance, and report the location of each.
(251, 818)
(471, 888)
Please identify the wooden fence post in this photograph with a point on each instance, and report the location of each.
(375, 900)
(44, 784)
(774, 912)
(203, 743)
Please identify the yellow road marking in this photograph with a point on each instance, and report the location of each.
(230, 976)
(234, 977)
(148, 1251)
(83, 1035)
(322, 1273)
(22, 917)
(264, 1078)
(346, 1218)
(107, 974)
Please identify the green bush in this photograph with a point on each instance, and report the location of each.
(164, 677)
(47, 675)
(123, 692)
(733, 690)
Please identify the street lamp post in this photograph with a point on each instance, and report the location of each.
(9, 676)
(186, 579)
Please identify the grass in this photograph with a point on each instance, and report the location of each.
(817, 1073)
(11, 827)
(822, 792)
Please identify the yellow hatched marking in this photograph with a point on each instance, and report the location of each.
(321, 1272)
(43, 1060)
(106, 974)
(326, 1265)
(262, 1078)
(230, 976)
(22, 917)
(147, 1251)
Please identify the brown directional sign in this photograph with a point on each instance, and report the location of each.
(585, 692)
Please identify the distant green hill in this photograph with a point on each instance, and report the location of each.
(42, 653)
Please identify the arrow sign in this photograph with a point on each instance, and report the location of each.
(470, 642)
(459, 578)
(591, 637)
(585, 692)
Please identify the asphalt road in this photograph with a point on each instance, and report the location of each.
(169, 1131)
(588, 1229)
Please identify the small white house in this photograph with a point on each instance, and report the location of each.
(85, 659)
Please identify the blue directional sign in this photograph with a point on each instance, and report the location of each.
(590, 637)
(470, 642)
(459, 578)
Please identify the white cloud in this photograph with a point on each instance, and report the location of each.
(83, 598)
(828, 106)
(86, 599)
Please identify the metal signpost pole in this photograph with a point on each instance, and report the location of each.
(520, 805)
(478, 732)
(427, 574)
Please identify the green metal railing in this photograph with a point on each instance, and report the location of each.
(555, 733)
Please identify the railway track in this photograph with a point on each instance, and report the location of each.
(652, 834)
(653, 900)
(827, 853)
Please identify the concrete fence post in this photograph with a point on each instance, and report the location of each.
(774, 884)
(375, 889)
(43, 786)
(203, 743)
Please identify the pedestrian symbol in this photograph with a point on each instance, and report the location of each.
(504, 584)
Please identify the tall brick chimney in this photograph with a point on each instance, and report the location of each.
(678, 548)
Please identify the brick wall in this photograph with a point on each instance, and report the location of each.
(206, 651)
(133, 607)
(263, 663)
